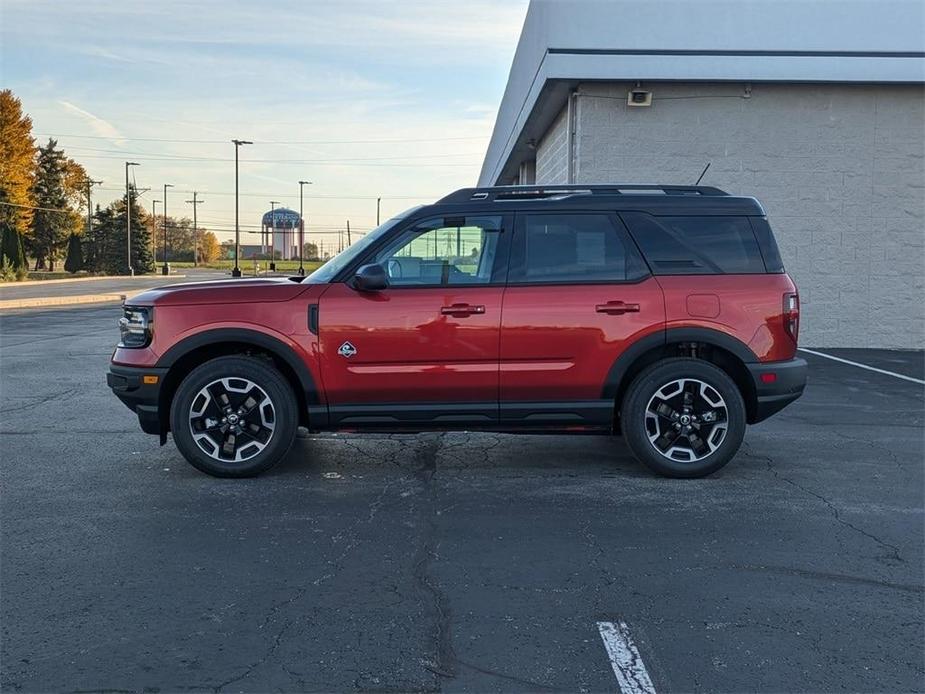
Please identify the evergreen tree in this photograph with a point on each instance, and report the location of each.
(108, 252)
(53, 221)
(94, 241)
(75, 258)
(16, 165)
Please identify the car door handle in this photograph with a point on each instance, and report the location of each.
(616, 308)
(461, 310)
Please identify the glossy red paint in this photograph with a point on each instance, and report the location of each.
(275, 308)
(412, 344)
(750, 309)
(559, 342)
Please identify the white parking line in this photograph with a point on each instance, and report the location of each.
(627, 664)
(863, 366)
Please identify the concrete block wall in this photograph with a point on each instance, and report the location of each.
(840, 170)
(552, 152)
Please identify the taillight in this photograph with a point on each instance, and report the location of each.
(792, 314)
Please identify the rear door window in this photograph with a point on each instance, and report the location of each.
(571, 248)
(696, 245)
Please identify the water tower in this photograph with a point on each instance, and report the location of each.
(279, 235)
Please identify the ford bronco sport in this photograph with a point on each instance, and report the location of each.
(659, 312)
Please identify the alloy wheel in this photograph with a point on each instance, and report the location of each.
(232, 419)
(686, 420)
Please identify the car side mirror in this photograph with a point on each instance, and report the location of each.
(371, 278)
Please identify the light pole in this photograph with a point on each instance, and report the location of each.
(302, 185)
(378, 200)
(195, 203)
(154, 230)
(273, 204)
(165, 269)
(236, 272)
(128, 220)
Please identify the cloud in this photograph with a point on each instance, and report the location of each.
(100, 52)
(100, 127)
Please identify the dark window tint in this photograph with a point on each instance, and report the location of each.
(696, 245)
(767, 243)
(571, 248)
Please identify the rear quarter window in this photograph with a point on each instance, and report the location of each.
(768, 245)
(694, 245)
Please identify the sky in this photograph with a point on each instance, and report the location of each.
(365, 99)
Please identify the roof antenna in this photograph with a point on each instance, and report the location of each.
(703, 173)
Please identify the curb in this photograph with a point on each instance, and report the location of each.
(41, 301)
(26, 283)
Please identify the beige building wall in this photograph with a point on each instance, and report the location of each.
(840, 170)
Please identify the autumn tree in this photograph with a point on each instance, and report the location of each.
(209, 249)
(54, 219)
(17, 149)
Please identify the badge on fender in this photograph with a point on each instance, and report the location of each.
(347, 350)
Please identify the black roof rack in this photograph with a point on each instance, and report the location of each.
(558, 192)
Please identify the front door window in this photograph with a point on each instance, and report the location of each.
(443, 252)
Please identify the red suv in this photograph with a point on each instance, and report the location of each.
(659, 312)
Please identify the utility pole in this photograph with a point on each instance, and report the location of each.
(195, 203)
(348, 233)
(128, 220)
(236, 272)
(273, 204)
(165, 269)
(154, 230)
(302, 184)
(90, 182)
(378, 200)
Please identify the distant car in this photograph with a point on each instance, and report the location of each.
(659, 312)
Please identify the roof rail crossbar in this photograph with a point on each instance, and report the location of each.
(501, 193)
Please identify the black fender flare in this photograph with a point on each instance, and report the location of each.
(709, 336)
(274, 346)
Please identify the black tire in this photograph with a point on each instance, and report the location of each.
(282, 416)
(637, 426)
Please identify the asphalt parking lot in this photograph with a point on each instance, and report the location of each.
(456, 562)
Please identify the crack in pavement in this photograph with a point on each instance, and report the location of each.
(828, 576)
(511, 678)
(894, 550)
(354, 541)
(277, 641)
(41, 400)
(446, 664)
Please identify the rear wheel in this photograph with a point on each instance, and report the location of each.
(683, 417)
(234, 417)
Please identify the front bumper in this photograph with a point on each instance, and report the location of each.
(128, 384)
(788, 384)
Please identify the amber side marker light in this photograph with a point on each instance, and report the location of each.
(149, 380)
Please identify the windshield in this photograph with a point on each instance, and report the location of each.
(330, 269)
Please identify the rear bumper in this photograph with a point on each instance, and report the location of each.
(788, 384)
(127, 383)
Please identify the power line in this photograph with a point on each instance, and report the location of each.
(33, 207)
(296, 161)
(314, 197)
(199, 160)
(273, 142)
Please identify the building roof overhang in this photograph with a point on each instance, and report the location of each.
(564, 44)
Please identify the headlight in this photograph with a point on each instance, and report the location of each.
(135, 326)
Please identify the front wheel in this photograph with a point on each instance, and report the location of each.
(234, 416)
(683, 417)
